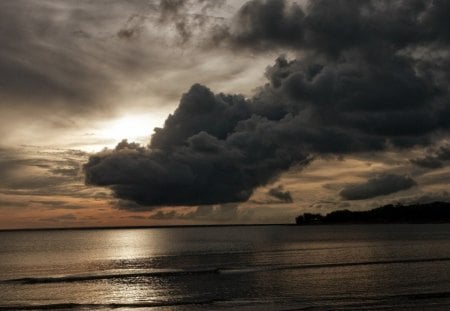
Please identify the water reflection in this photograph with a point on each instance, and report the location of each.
(133, 244)
(230, 266)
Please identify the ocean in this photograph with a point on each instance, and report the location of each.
(342, 267)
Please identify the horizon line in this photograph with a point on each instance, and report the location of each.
(145, 227)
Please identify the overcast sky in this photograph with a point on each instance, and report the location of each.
(263, 109)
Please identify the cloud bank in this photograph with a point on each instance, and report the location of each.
(368, 76)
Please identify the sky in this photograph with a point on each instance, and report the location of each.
(169, 112)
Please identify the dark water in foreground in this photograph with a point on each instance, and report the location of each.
(373, 267)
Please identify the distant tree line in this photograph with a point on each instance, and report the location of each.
(436, 212)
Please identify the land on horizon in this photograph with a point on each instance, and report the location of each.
(435, 212)
(427, 213)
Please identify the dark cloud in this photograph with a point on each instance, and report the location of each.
(261, 24)
(223, 212)
(280, 194)
(427, 162)
(381, 185)
(435, 159)
(355, 99)
(365, 80)
(332, 27)
(184, 166)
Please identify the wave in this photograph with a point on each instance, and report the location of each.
(214, 270)
(391, 302)
(102, 306)
(329, 265)
(109, 275)
(435, 295)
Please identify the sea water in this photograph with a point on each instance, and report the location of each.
(351, 267)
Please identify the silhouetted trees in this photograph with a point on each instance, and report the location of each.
(436, 212)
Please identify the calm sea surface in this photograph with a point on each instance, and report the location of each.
(372, 267)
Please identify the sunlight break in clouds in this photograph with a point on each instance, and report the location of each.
(137, 128)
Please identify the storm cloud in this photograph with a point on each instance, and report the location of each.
(369, 76)
(200, 162)
(332, 27)
(381, 185)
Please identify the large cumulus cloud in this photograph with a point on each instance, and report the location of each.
(366, 79)
(211, 150)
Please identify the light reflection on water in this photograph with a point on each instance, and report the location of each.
(133, 244)
(229, 267)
